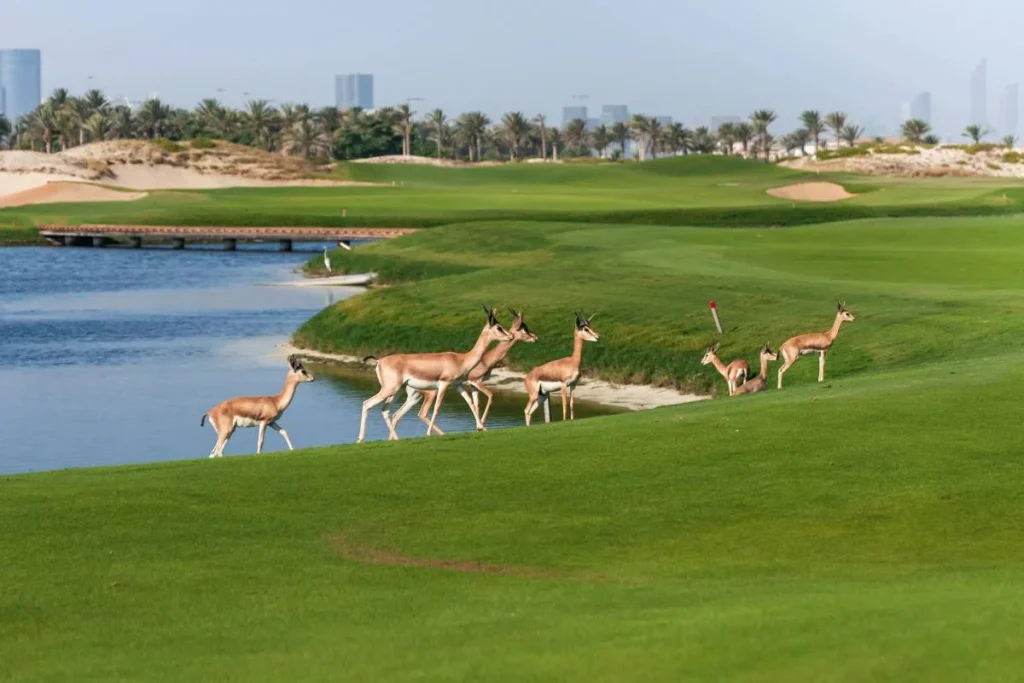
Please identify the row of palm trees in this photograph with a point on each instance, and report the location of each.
(63, 121)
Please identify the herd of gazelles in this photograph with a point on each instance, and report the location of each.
(428, 376)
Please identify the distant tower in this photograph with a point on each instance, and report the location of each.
(20, 77)
(919, 108)
(353, 90)
(1009, 110)
(979, 94)
(574, 112)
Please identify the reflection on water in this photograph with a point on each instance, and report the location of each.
(111, 356)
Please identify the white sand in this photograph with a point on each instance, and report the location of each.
(61, 192)
(811, 192)
(627, 396)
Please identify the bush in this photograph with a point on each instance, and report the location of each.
(844, 153)
(203, 143)
(168, 145)
(1012, 158)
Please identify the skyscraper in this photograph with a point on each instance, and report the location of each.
(919, 108)
(979, 94)
(570, 113)
(1009, 110)
(353, 90)
(614, 113)
(20, 82)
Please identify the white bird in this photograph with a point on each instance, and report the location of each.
(327, 261)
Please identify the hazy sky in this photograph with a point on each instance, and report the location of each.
(690, 60)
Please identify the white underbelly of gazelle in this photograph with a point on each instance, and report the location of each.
(422, 384)
(554, 387)
(246, 422)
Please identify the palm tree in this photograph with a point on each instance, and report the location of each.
(677, 138)
(122, 123)
(43, 122)
(306, 136)
(931, 139)
(439, 125)
(329, 119)
(975, 132)
(576, 134)
(601, 138)
(620, 132)
(814, 126)
(59, 97)
(516, 129)
(761, 120)
(96, 101)
(260, 119)
(5, 130)
(727, 137)
(99, 126)
(914, 130)
(744, 133)
(703, 140)
(78, 112)
(555, 136)
(851, 132)
(152, 118)
(640, 126)
(542, 129)
(836, 121)
(799, 138)
(654, 133)
(472, 128)
(1009, 141)
(404, 122)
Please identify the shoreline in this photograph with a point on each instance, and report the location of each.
(626, 396)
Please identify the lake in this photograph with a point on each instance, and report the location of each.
(110, 356)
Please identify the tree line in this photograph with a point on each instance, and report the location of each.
(63, 121)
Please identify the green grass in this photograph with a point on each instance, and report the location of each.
(870, 528)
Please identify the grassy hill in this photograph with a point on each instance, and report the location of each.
(868, 528)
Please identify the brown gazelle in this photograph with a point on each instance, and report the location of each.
(481, 373)
(815, 342)
(255, 411)
(760, 382)
(559, 375)
(735, 373)
(438, 371)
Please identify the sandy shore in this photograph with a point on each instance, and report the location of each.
(627, 396)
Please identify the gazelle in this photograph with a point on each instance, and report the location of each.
(559, 375)
(255, 411)
(814, 342)
(735, 373)
(420, 371)
(481, 373)
(760, 382)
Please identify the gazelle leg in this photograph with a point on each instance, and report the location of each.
(412, 398)
(224, 440)
(385, 412)
(379, 397)
(280, 430)
(221, 440)
(821, 367)
(259, 437)
(572, 403)
(785, 366)
(481, 389)
(472, 407)
(442, 387)
(732, 387)
(531, 406)
(424, 412)
(565, 402)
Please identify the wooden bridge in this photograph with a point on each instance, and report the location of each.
(104, 235)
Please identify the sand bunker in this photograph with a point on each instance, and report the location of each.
(66, 192)
(811, 192)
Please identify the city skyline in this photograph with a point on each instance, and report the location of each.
(20, 81)
(353, 90)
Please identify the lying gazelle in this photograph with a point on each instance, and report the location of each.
(559, 375)
(814, 342)
(735, 373)
(255, 411)
(420, 371)
(481, 373)
(760, 382)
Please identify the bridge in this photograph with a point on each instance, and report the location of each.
(132, 235)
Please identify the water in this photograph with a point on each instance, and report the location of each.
(110, 356)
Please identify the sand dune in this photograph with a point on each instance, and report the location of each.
(811, 192)
(62, 191)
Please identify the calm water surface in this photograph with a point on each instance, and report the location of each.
(110, 356)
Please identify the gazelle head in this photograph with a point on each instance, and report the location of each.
(583, 329)
(297, 371)
(519, 330)
(767, 354)
(493, 329)
(710, 355)
(842, 313)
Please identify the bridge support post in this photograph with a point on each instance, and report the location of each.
(178, 243)
(99, 241)
(230, 244)
(135, 242)
(285, 245)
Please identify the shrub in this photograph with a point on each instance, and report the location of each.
(993, 167)
(1012, 158)
(168, 145)
(203, 143)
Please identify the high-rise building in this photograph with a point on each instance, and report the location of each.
(664, 120)
(979, 94)
(353, 90)
(919, 108)
(1009, 110)
(20, 82)
(570, 113)
(614, 113)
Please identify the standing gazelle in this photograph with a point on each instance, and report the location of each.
(481, 373)
(735, 373)
(255, 411)
(760, 382)
(814, 342)
(559, 375)
(419, 371)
